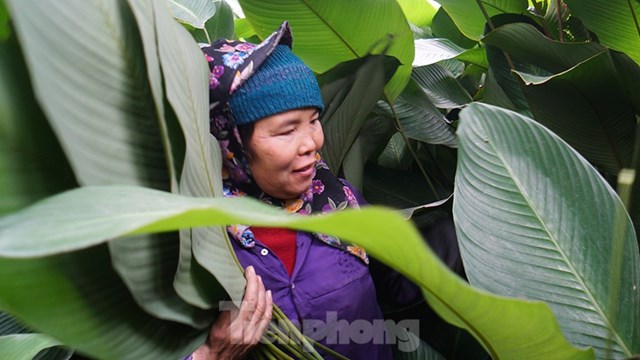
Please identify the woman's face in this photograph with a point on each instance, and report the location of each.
(282, 152)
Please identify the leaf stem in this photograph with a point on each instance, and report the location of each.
(626, 178)
(206, 33)
(311, 343)
(559, 18)
(543, 20)
(492, 27)
(298, 336)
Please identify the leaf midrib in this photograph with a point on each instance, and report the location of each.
(330, 27)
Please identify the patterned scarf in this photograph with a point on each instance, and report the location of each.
(231, 63)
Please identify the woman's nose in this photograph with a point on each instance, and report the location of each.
(307, 144)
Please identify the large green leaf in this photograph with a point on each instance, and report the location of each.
(525, 43)
(193, 12)
(350, 91)
(535, 220)
(31, 161)
(431, 51)
(507, 328)
(493, 94)
(32, 166)
(144, 262)
(20, 342)
(103, 106)
(501, 67)
(98, 100)
(24, 346)
(396, 154)
(594, 115)
(399, 189)
(371, 141)
(419, 119)
(468, 16)
(441, 86)
(615, 23)
(328, 32)
(444, 27)
(418, 12)
(81, 301)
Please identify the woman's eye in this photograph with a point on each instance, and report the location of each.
(287, 132)
(315, 121)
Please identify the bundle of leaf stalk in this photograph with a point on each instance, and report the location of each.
(295, 344)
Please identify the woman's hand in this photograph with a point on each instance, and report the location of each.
(235, 332)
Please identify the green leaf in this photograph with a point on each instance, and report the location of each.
(594, 115)
(444, 27)
(431, 51)
(102, 105)
(5, 29)
(526, 44)
(143, 262)
(398, 189)
(396, 155)
(441, 86)
(244, 29)
(372, 139)
(524, 209)
(629, 75)
(501, 67)
(81, 301)
(411, 347)
(475, 56)
(418, 12)
(507, 328)
(193, 12)
(186, 79)
(143, 12)
(467, 15)
(10, 326)
(221, 25)
(31, 160)
(615, 23)
(493, 94)
(350, 91)
(24, 346)
(419, 119)
(328, 32)
(596, 87)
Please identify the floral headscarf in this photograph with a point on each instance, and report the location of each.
(230, 64)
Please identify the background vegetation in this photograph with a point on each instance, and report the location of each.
(525, 111)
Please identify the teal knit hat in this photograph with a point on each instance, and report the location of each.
(283, 82)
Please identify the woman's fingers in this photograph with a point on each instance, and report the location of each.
(265, 319)
(235, 332)
(255, 306)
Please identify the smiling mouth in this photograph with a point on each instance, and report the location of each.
(307, 170)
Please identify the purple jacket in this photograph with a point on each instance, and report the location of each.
(330, 293)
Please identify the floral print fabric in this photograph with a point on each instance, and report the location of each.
(230, 64)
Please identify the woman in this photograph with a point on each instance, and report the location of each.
(265, 113)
